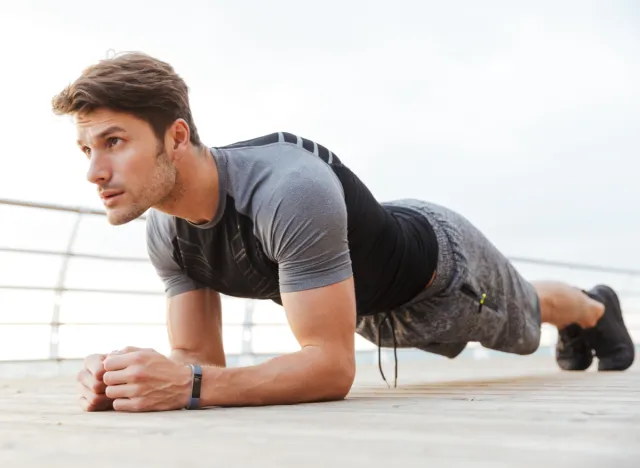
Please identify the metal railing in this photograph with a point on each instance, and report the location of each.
(60, 288)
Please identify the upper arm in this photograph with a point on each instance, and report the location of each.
(324, 320)
(309, 241)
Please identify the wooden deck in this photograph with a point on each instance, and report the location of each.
(515, 412)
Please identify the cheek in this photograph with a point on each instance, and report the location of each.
(136, 168)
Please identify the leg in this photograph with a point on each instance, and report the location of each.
(476, 296)
(562, 305)
(588, 322)
(511, 308)
(479, 296)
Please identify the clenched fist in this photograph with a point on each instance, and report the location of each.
(145, 380)
(92, 387)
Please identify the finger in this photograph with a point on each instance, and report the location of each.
(133, 405)
(94, 364)
(123, 391)
(121, 361)
(90, 382)
(118, 377)
(88, 394)
(96, 405)
(92, 402)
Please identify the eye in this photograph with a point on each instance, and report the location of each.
(112, 141)
(86, 150)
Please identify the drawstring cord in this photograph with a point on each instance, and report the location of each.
(395, 352)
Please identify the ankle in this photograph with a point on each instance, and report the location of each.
(593, 314)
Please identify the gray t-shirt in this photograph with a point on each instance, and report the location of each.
(281, 224)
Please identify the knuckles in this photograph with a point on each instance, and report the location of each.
(136, 405)
(137, 374)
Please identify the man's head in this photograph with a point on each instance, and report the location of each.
(134, 123)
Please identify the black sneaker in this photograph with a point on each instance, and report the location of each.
(573, 352)
(610, 338)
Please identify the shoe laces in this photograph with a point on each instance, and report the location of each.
(388, 318)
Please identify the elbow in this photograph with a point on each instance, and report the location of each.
(341, 390)
(341, 382)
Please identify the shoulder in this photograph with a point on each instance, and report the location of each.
(287, 186)
(281, 167)
(278, 151)
(302, 223)
(160, 226)
(295, 184)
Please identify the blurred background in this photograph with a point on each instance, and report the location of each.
(523, 116)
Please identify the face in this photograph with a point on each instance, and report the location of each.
(129, 166)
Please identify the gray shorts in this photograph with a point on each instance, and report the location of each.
(476, 296)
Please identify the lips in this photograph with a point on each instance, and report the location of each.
(109, 197)
(106, 195)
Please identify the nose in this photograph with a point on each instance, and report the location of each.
(99, 170)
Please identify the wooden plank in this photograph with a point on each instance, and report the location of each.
(520, 412)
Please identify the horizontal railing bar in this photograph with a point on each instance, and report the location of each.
(82, 290)
(577, 266)
(74, 255)
(133, 324)
(51, 206)
(620, 293)
(535, 261)
(46, 360)
(55, 207)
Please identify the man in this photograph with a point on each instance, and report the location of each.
(282, 218)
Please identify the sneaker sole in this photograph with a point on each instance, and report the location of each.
(579, 361)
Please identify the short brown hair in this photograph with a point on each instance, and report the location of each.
(134, 83)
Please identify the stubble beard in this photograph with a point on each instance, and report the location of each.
(164, 188)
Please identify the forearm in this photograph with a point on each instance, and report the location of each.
(305, 376)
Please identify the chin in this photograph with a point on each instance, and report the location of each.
(118, 217)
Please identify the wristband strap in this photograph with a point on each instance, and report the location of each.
(194, 401)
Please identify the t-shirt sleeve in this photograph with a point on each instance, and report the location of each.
(160, 234)
(306, 229)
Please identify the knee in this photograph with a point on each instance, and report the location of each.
(529, 345)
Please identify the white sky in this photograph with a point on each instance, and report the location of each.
(524, 116)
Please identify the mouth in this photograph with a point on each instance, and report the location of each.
(109, 199)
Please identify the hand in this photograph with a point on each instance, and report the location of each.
(91, 386)
(144, 380)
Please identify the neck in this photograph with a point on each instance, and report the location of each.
(195, 196)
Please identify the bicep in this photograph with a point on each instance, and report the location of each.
(310, 243)
(325, 319)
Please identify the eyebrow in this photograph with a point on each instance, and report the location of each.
(104, 133)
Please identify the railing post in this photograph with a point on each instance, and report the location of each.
(54, 337)
(246, 350)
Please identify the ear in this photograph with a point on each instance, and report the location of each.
(179, 136)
